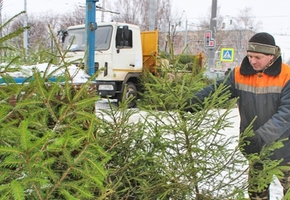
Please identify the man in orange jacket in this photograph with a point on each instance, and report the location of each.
(262, 85)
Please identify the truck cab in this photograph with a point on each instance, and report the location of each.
(121, 52)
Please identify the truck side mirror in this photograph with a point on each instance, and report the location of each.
(126, 33)
(123, 37)
(118, 37)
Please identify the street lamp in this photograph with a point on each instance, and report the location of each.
(185, 31)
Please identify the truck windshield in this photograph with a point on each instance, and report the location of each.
(76, 39)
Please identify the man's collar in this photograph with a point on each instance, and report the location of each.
(273, 70)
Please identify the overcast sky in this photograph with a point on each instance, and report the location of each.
(274, 15)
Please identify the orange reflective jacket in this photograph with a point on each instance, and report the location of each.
(264, 95)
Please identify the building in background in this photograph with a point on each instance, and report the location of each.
(236, 39)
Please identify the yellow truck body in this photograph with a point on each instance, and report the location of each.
(149, 41)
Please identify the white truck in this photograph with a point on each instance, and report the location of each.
(122, 53)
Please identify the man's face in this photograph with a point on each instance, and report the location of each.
(259, 61)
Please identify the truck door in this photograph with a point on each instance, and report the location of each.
(128, 54)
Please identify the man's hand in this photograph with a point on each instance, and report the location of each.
(253, 144)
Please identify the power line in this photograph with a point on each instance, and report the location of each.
(269, 16)
(239, 17)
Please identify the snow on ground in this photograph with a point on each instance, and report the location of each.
(78, 75)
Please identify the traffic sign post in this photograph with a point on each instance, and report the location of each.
(209, 42)
(227, 54)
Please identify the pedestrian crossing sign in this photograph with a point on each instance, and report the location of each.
(227, 54)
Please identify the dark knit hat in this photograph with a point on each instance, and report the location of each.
(262, 43)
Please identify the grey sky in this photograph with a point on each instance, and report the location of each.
(274, 15)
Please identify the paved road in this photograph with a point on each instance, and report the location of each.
(103, 104)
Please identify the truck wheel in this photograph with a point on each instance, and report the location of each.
(131, 92)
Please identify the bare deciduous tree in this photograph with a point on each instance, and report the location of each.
(137, 12)
(246, 20)
(232, 32)
(72, 18)
(39, 36)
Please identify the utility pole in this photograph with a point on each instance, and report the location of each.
(25, 33)
(213, 22)
(152, 11)
(103, 11)
(185, 32)
(91, 27)
(1, 5)
(185, 36)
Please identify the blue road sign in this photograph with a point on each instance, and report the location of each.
(227, 54)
